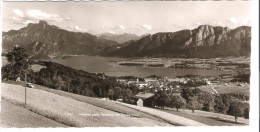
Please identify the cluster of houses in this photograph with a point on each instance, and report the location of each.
(172, 85)
(168, 84)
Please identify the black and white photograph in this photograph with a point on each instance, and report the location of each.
(127, 64)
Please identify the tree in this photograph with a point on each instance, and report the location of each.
(186, 93)
(161, 98)
(246, 113)
(18, 54)
(117, 93)
(193, 104)
(207, 100)
(19, 63)
(226, 101)
(127, 95)
(236, 109)
(177, 101)
(111, 94)
(219, 105)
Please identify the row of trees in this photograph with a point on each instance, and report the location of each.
(195, 99)
(162, 99)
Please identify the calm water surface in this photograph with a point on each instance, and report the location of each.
(96, 64)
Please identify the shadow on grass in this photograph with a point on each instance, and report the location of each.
(227, 121)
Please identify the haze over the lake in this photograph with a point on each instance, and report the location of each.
(128, 17)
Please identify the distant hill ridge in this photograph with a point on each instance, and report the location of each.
(119, 38)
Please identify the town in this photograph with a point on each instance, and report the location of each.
(150, 85)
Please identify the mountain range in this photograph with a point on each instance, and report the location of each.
(44, 40)
(204, 42)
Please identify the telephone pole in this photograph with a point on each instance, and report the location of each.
(25, 89)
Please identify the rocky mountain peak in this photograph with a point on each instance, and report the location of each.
(204, 41)
(42, 38)
(41, 22)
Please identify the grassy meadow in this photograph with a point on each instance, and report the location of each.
(18, 117)
(69, 111)
(228, 88)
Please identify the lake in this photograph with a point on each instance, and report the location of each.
(97, 64)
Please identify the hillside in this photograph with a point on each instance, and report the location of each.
(69, 111)
(48, 40)
(60, 77)
(203, 42)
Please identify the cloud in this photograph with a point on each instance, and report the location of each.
(121, 27)
(198, 23)
(233, 20)
(33, 16)
(238, 22)
(76, 28)
(18, 12)
(27, 22)
(68, 18)
(39, 15)
(116, 29)
(147, 27)
(216, 23)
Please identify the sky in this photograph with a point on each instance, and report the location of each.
(128, 17)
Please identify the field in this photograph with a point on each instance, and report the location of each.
(36, 67)
(69, 111)
(16, 116)
(227, 88)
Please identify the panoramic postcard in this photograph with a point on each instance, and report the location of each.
(125, 64)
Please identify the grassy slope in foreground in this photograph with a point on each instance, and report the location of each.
(67, 111)
(95, 101)
(16, 116)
